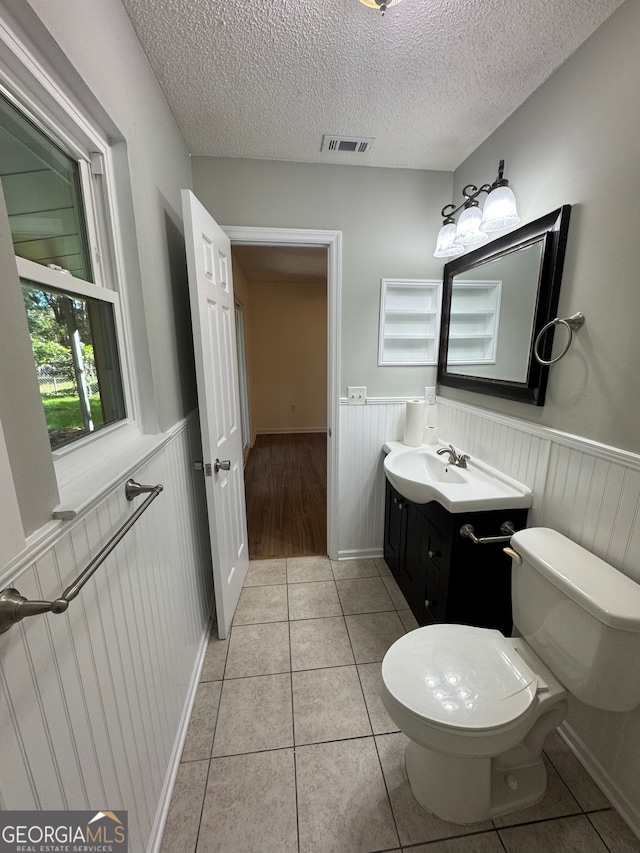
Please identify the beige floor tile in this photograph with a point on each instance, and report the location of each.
(615, 832)
(567, 835)
(382, 567)
(312, 600)
(415, 824)
(557, 802)
(183, 820)
(258, 650)
(408, 620)
(328, 705)
(573, 774)
(371, 634)
(364, 595)
(371, 678)
(483, 842)
(262, 604)
(250, 805)
(266, 572)
(197, 744)
(343, 805)
(354, 569)
(214, 658)
(395, 594)
(308, 569)
(255, 714)
(320, 642)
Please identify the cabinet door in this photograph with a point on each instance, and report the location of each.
(402, 548)
(417, 546)
(395, 525)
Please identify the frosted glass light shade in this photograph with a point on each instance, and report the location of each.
(445, 246)
(499, 210)
(373, 5)
(469, 233)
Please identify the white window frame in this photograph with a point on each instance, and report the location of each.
(36, 94)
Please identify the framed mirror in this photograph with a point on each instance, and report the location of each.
(495, 301)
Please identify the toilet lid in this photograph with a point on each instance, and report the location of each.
(462, 677)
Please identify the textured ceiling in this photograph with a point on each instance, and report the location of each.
(430, 81)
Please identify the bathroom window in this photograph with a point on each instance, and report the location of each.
(53, 199)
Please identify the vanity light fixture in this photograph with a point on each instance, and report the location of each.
(383, 5)
(473, 225)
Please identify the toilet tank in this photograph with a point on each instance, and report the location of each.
(580, 615)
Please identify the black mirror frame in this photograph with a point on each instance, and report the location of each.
(552, 229)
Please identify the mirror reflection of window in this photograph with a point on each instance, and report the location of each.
(499, 336)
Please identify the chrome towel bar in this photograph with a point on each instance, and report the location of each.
(15, 607)
(506, 528)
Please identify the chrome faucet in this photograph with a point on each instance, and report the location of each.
(458, 459)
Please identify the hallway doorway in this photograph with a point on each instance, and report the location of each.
(288, 283)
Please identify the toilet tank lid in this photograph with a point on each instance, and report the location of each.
(599, 588)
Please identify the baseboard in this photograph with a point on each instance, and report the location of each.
(601, 778)
(164, 801)
(361, 554)
(289, 430)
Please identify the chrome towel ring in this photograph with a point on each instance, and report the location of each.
(573, 323)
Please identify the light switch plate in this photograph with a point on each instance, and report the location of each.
(357, 395)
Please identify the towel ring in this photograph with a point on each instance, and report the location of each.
(573, 323)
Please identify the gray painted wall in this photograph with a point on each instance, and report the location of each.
(575, 141)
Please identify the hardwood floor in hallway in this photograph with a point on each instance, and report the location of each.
(286, 489)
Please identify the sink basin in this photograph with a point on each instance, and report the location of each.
(421, 476)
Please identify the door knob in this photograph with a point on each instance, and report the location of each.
(225, 465)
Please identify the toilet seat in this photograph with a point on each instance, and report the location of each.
(459, 677)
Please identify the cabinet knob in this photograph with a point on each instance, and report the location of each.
(427, 602)
(432, 554)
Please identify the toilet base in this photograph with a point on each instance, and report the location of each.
(468, 790)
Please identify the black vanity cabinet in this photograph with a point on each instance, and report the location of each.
(443, 575)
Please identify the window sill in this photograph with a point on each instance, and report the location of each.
(89, 472)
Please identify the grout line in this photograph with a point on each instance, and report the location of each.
(206, 781)
(295, 747)
(293, 721)
(595, 829)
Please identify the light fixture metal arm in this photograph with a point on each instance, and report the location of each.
(470, 193)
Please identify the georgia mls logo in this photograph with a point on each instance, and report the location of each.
(63, 832)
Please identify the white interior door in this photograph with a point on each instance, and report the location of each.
(214, 338)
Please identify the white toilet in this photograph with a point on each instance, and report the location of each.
(477, 706)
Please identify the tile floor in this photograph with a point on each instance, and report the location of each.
(290, 750)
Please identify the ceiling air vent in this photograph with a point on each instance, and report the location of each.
(353, 144)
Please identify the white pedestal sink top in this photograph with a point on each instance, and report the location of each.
(421, 476)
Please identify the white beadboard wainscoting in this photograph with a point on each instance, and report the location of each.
(94, 702)
(586, 490)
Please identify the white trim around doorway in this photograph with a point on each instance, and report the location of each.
(332, 240)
